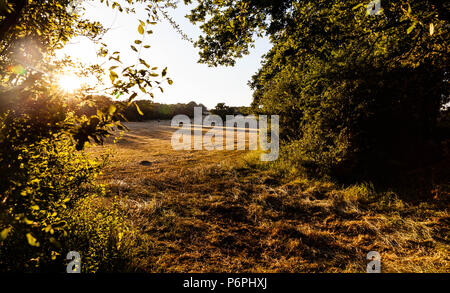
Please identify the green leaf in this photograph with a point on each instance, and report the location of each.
(357, 6)
(112, 109)
(113, 76)
(410, 29)
(4, 233)
(144, 63)
(141, 29)
(139, 110)
(32, 241)
(131, 98)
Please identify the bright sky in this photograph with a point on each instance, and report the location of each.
(192, 81)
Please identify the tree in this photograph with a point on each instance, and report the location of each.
(222, 110)
(357, 94)
(30, 33)
(45, 174)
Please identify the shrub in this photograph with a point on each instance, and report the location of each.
(45, 182)
(98, 231)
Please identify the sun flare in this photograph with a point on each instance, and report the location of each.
(69, 83)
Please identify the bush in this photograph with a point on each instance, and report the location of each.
(98, 231)
(45, 183)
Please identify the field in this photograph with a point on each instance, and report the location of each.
(220, 211)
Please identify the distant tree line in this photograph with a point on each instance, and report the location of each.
(223, 110)
(140, 110)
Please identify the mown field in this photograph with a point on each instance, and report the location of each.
(222, 211)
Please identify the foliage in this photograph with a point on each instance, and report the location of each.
(152, 111)
(45, 175)
(223, 110)
(148, 109)
(50, 204)
(43, 179)
(359, 94)
(31, 32)
(100, 233)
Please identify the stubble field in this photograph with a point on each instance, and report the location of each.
(222, 211)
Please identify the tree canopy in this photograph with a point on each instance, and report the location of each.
(356, 93)
(31, 32)
(47, 181)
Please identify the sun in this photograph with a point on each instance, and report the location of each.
(69, 83)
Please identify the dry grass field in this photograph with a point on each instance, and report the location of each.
(216, 211)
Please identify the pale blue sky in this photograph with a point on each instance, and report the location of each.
(192, 81)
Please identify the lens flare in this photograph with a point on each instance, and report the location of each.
(17, 69)
(69, 83)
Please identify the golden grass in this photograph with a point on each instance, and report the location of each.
(212, 211)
